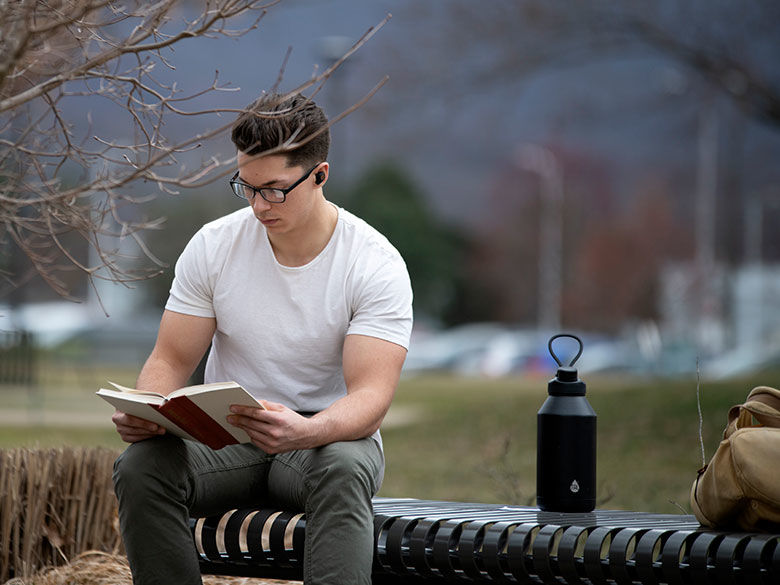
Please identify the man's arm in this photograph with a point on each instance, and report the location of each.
(181, 342)
(372, 368)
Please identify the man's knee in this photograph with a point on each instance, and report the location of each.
(352, 463)
(147, 462)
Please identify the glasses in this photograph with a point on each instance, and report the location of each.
(270, 194)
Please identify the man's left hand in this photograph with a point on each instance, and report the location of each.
(277, 429)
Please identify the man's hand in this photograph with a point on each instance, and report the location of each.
(133, 429)
(277, 429)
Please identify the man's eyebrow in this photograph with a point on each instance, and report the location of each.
(269, 184)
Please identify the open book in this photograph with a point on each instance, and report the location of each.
(197, 412)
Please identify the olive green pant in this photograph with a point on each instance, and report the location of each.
(161, 482)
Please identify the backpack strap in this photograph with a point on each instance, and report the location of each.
(766, 395)
(762, 404)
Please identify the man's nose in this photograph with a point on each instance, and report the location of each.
(259, 204)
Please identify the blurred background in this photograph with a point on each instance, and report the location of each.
(604, 168)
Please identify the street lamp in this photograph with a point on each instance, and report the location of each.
(331, 49)
(540, 160)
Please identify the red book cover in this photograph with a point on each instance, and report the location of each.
(189, 416)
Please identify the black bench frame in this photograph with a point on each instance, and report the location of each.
(421, 541)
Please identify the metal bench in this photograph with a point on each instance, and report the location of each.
(420, 541)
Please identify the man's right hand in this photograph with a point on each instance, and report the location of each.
(133, 429)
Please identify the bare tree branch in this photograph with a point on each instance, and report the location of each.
(736, 79)
(67, 195)
(728, 44)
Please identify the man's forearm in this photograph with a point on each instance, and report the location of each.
(354, 416)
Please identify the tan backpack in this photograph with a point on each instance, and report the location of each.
(740, 487)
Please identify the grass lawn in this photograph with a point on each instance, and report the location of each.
(462, 439)
(475, 439)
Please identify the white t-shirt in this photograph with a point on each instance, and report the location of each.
(280, 330)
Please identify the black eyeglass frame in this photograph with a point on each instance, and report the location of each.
(234, 185)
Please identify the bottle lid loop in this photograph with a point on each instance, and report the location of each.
(555, 357)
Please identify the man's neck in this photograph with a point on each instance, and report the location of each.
(299, 247)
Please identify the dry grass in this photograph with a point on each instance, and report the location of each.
(101, 568)
(58, 522)
(54, 504)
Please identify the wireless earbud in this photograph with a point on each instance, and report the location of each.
(319, 177)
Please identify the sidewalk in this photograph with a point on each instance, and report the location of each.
(49, 417)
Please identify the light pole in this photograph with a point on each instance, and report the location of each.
(331, 49)
(709, 330)
(540, 160)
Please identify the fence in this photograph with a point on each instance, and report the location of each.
(18, 358)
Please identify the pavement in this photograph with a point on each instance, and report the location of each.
(28, 417)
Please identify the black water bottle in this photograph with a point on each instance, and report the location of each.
(566, 442)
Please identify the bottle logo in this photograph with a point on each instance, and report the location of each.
(574, 487)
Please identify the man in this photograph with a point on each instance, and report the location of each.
(309, 309)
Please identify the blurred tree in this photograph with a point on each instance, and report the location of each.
(55, 53)
(733, 46)
(504, 261)
(613, 248)
(387, 199)
(615, 277)
(716, 54)
(702, 55)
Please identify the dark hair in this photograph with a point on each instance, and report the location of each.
(273, 119)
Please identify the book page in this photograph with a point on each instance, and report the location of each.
(200, 388)
(136, 405)
(216, 403)
(134, 391)
(134, 397)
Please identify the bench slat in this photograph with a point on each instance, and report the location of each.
(423, 541)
